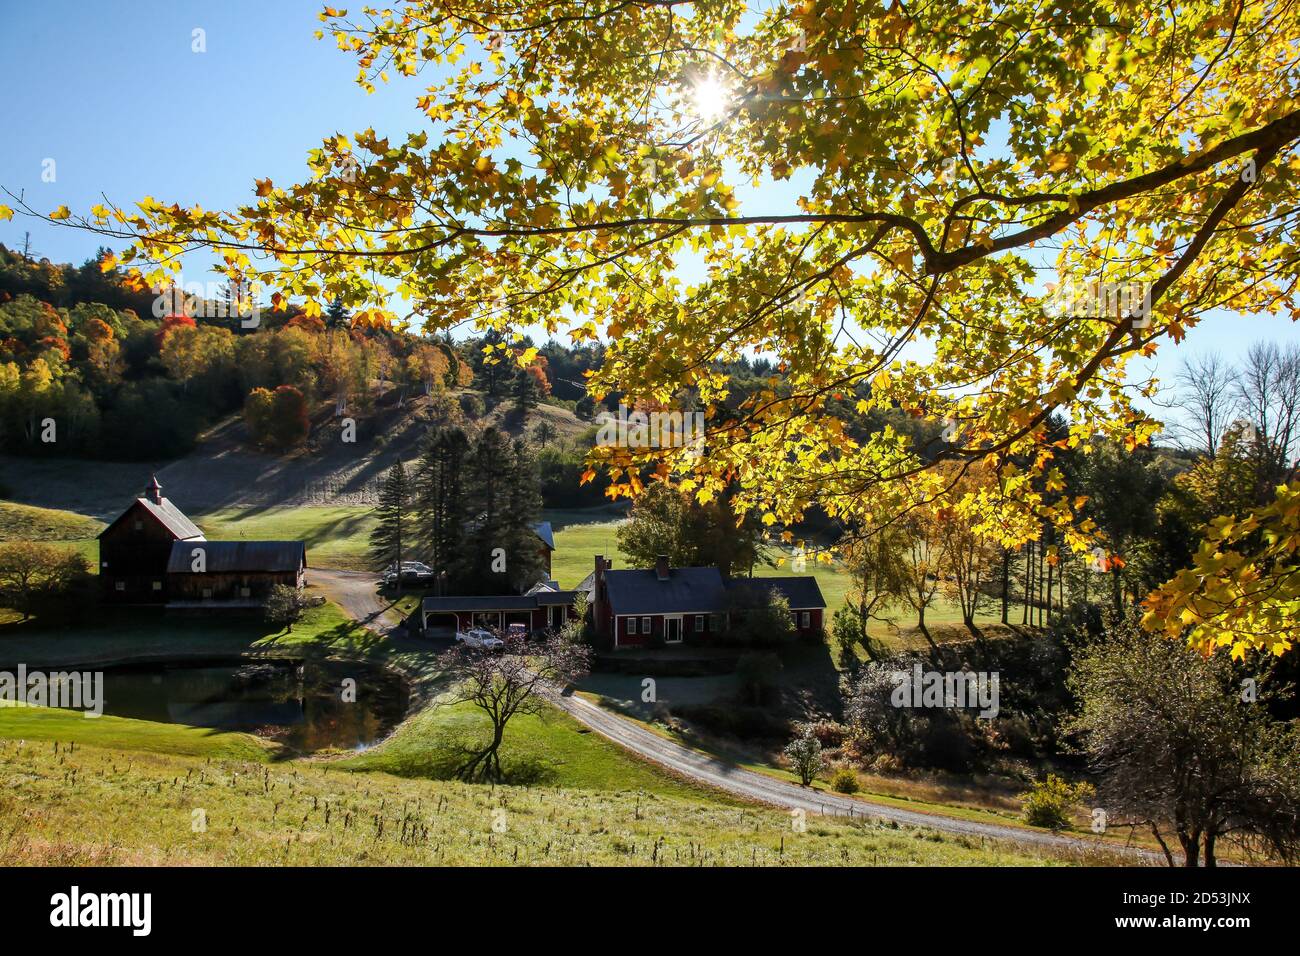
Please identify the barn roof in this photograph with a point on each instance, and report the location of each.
(226, 557)
(166, 513)
(172, 518)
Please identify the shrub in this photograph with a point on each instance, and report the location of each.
(1049, 802)
(844, 780)
(805, 754)
(472, 405)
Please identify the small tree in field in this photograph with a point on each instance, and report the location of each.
(515, 680)
(805, 755)
(31, 570)
(284, 606)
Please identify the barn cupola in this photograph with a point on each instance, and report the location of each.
(154, 491)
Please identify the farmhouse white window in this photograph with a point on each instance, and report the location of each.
(645, 625)
(631, 626)
(699, 624)
(805, 618)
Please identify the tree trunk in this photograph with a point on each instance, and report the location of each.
(1006, 581)
(920, 623)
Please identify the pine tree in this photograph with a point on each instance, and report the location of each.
(390, 538)
(440, 508)
(525, 566)
(336, 315)
(483, 564)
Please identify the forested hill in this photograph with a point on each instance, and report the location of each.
(89, 372)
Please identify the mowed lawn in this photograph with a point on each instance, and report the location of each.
(336, 537)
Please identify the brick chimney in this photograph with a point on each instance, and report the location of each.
(598, 596)
(661, 567)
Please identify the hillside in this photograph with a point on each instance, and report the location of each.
(225, 472)
(84, 805)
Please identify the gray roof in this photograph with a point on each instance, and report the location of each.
(224, 557)
(171, 518)
(686, 590)
(543, 530)
(500, 602)
(551, 598)
(490, 602)
(802, 593)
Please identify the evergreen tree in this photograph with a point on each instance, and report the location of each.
(390, 538)
(500, 553)
(482, 565)
(440, 506)
(336, 315)
(525, 567)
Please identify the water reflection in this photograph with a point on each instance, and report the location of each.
(300, 704)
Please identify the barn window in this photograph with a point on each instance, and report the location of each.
(245, 592)
(207, 592)
(631, 625)
(121, 585)
(139, 526)
(157, 585)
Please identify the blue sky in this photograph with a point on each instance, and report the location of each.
(115, 95)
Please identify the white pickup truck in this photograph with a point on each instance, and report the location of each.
(481, 639)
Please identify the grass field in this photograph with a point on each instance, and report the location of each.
(67, 726)
(93, 806)
(28, 523)
(336, 537)
(551, 749)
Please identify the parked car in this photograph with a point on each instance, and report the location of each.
(481, 639)
(413, 572)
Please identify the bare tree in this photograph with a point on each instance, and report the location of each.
(515, 679)
(1268, 396)
(1206, 395)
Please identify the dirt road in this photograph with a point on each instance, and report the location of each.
(356, 593)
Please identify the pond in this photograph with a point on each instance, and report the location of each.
(304, 705)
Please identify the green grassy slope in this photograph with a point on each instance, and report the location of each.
(104, 807)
